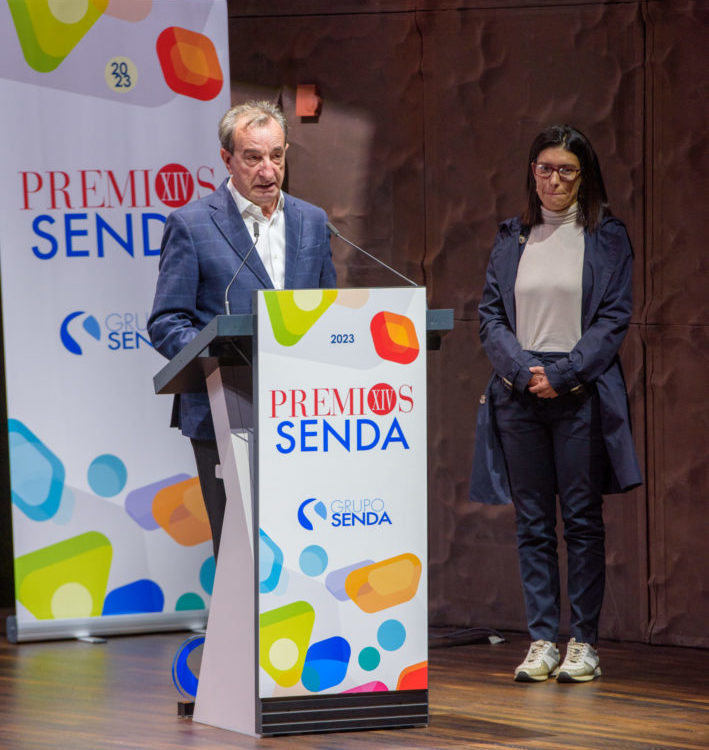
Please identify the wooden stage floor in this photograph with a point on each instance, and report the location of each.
(119, 694)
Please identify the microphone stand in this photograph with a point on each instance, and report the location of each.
(334, 230)
(227, 305)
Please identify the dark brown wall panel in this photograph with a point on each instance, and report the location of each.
(678, 361)
(492, 80)
(677, 317)
(678, 163)
(362, 158)
(420, 150)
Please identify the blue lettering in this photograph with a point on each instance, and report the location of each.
(114, 340)
(370, 518)
(319, 434)
(360, 441)
(140, 338)
(54, 245)
(329, 430)
(74, 229)
(395, 435)
(70, 233)
(289, 447)
(132, 339)
(145, 218)
(305, 433)
(103, 226)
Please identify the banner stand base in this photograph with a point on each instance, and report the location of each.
(185, 709)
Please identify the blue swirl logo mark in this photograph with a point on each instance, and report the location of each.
(89, 324)
(318, 507)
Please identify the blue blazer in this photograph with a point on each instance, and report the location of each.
(606, 309)
(203, 244)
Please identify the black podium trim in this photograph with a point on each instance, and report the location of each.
(343, 712)
(185, 372)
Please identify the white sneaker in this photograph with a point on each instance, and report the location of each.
(540, 663)
(581, 663)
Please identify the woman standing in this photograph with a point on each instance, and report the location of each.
(554, 311)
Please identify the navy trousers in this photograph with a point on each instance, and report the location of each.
(555, 446)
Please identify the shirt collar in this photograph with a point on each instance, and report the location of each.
(247, 208)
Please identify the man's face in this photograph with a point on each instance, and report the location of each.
(258, 164)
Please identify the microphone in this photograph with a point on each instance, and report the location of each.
(333, 230)
(227, 305)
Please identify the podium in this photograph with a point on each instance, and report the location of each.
(318, 618)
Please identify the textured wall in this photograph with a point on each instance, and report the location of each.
(677, 315)
(428, 110)
(419, 151)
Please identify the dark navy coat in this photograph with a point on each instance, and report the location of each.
(605, 315)
(203, 245)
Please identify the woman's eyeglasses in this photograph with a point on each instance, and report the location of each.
(566, 173)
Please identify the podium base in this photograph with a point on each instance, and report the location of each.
(343, 712)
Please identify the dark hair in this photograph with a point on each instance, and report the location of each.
(592, 198)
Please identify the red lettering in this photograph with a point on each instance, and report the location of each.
(298, 399)
(278, 398)
(319, 395)
(56, 188)
(406, 396)
(130, 191)
(202, 182)
(27, 190)
(174, 185)
(381, 398)
(86, 188)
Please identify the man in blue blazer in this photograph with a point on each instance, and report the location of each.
(248, 228)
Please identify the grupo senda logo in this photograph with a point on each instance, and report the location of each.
(343, 513)
(117, 331)
(318, 508)
(78, 327)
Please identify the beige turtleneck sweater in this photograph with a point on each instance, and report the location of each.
(548, 286)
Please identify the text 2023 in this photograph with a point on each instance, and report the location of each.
(342, 338)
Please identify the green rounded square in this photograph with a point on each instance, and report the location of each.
(49, 31)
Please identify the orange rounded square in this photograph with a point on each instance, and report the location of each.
(189, 63)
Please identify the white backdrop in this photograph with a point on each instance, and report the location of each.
(110, 111)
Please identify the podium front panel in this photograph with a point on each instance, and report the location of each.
(341, 502)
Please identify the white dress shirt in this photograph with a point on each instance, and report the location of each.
(271, 245)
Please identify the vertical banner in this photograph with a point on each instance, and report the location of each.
(110, 112)
(342, 490)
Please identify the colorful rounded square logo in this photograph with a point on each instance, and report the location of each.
(294, 312)
(284, 635)
(179, 509)
(394, 337)
(67, 579)
(384, 584)
(48, 30)
(189, 63)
